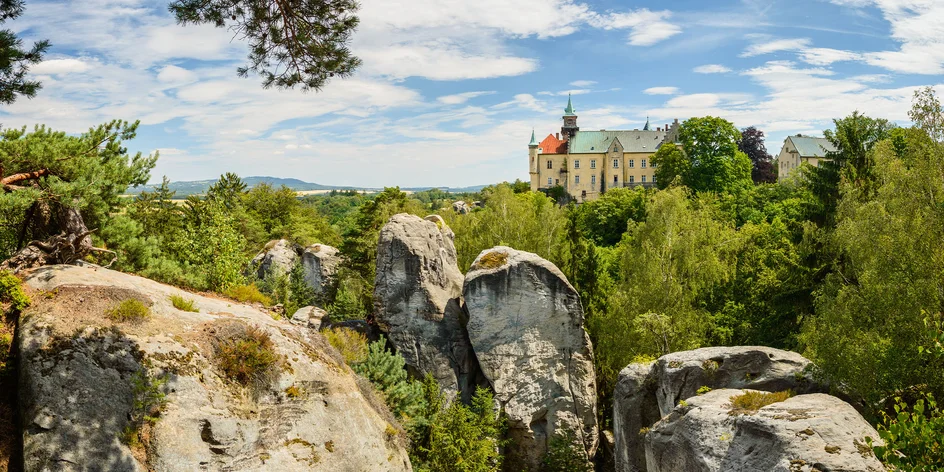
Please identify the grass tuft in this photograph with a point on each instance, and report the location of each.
(129, 310)
(247, 294)
(245, 354)
(184, 304)
(749, 402)
(491, 260)
(351, 344)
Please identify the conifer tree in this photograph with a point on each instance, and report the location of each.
(386, 371)
(14, 59)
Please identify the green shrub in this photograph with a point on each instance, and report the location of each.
(751, 401)
(385, 370)
(491, 260)
(565, 453)
(351, 344)
(149, 401)
(703, 390)
(11, 291)
(245, 354)
(466, 438)
(247, 294)
(129, 310)
(914, 437)
(184, 304)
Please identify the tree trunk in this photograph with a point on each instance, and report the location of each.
(73, 242)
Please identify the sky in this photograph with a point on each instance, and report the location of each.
(449, 90)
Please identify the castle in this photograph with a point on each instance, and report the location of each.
(588, 163)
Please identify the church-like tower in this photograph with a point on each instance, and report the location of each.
(569, 129)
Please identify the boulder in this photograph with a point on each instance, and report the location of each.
(814, 432)
(309, 317)
(418, 300)
(86, 380)
(526, 327)
(461, 207)
(277, 257)
(645, 393)
(320, 265)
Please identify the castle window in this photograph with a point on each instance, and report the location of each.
(593, 180)
(654, 165)
(632, 179)
(644, 179)
(576, 179)
(616, 164)
(643, 163)
(549, 163)
(653, 179)
(576, 164)
(549, 181)
(615, 179)
(593, 163)
(632, 163)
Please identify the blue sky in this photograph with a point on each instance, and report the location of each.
(449, 90)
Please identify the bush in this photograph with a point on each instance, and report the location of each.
(245, 354)
(184, 304)
(749, 402)
(465, 438)
(914, 437)
(11, 291)
(386, 371)
(247, 294)
(351, 344)
(565, 453)
(129, 310)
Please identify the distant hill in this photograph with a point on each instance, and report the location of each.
(199, 187)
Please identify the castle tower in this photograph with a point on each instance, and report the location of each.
(570, 120)
(533, 151)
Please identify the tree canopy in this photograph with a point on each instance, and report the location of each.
(710, 159)
(752, 144)
(15, 59)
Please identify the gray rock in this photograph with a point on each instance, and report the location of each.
(646, 392)
(320, 265)
(461, 207)
(277, 257)
(814, 432)
(77, 388)
(526, 327)
(418, 300)
(309, 317)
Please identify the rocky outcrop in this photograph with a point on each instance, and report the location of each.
(87, 380)
(526, 327)
(461, 207)
(277, 257)
(813, 432)
(320, 265)
(309, 316)
(645, 393)
(418, 300)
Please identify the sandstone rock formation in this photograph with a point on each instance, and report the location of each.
(805, 433)
(320, 265)
(461, 207)
(646, 392)
(309, 316)
(81, 375)
(277, 257)
(418, 297)
(526, 327)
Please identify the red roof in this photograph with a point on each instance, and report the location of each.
(552, 145)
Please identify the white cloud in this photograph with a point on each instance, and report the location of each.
(175, 75)
(711, 69)
(582, 83)
(827, 56)
(646, 27)
(461, 98)
(776, 45)
(661, 91)
(60, 66)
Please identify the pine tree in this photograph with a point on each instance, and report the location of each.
(387, 372)
(14, 60)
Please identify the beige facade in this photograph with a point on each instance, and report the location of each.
(798, 150)
(588, 163)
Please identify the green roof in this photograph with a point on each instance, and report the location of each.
(586, 142)
(534, 140)
(808, 146)
(569, 111)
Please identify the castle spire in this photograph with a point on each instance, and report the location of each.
(569, 111)
(534, 140)
(646, 128)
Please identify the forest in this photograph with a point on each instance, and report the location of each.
(842, 263)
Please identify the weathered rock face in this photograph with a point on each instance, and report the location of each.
(813, 432)
(647, 392)
(526, 327)
(461, 207)
(418, 300)
(320, 265)
(81, 373)
(278, 257)
(309, 316)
